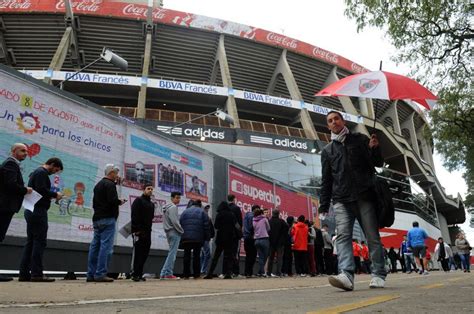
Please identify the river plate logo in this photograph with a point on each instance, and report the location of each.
(28, 123)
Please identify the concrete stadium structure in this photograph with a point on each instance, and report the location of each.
(182, 66)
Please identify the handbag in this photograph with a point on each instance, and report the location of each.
(385, 209)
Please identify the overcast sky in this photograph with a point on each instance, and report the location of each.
(323, 24)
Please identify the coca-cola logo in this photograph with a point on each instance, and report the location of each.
(84, 5)
(324, 54)
(282, 40)
(15, 4)
(142, 11)
(357, 68)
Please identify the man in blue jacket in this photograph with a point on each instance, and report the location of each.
(416, 241)
(195, 223)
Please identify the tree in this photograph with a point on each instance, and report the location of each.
(435, 37)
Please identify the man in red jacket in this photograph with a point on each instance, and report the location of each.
(299, 232)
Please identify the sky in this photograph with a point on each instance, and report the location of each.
(323, 24)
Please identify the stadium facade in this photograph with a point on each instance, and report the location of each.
(182, 66)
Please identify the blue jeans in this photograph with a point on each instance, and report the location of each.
(101, 248)
(37, 234)
(263, 247)
(205, 256)
(364, 211)
(173, 238)
(465, 260)
(408, 261)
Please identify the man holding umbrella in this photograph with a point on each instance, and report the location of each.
(348, 177)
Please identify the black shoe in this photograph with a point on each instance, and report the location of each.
(90, 279)
(24, 279)
(5, 278)
(104, 279)
(142, 279)
(208, 277)
(228, 277)
(136, 279)
(70, 276)
(42, 279)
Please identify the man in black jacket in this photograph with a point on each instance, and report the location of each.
(236, 242)
(143, 211)
(31, 267)
(348, 177)
(278, 236)
(106, 210)
(12, 190)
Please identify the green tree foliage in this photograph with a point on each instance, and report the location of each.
(435, 37)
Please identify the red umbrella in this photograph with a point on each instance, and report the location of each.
(381, 85)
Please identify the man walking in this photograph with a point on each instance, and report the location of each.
(348, 177)
(106, 210)
(143, 211)
(31, 267)
(173, 232)
(236, 244)
(416, 241)
(12, 190)
(444, 253)
(195, 223)
(406, 254)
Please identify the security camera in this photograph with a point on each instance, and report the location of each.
(109, 56)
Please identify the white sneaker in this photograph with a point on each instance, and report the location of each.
(341, 281)
(426, 272)
(377, 282)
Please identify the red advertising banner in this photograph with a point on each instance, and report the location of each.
(132, 10)
(250, 189)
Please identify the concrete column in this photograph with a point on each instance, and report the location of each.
(60, 54)
(141, 105)
(221, 60)
(410, 126)
(392, 113)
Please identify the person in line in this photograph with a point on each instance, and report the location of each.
(416, 241)
(319, 250)
(393, 257)
(31, 266)
(173, 232)
(287, 267)
(12, 190)
(406, 254)
(261, 229)
(464, 249)
(206, 247)
(444, 253)
(311, 262)
(195, 223)
(364, 253)
(357, 251)
(299, 232)
(249, 242)
(236, 244)
(348, 179)
(106, 204)
(278, 235)
(225, 237)
(142, 214)
(328, 251)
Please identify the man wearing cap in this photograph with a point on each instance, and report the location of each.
(106, 209)
(12, 190)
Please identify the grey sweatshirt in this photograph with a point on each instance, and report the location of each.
(171, 219)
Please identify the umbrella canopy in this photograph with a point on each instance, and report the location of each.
(381, 85)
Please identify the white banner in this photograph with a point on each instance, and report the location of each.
(278, 101)
(188, 87)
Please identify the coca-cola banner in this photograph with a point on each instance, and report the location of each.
(250, 189)
(139, 9)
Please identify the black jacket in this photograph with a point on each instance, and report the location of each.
(348, 169)
(40, 182)
(318, 241)
(278, 232)
(143, 211)
(12, 189)
(225, 225)
(105, 202)
(237, 212)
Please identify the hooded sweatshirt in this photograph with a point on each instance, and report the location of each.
(300, 236)
(261, 227)
(171, 219)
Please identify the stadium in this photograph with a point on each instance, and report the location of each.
(182, 67)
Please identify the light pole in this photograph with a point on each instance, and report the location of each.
(218, 113)
(295, 156)
(109, 56)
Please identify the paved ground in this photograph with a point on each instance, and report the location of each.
(436, 293)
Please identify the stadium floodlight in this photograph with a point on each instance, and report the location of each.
(294, 156)
(107, 55)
